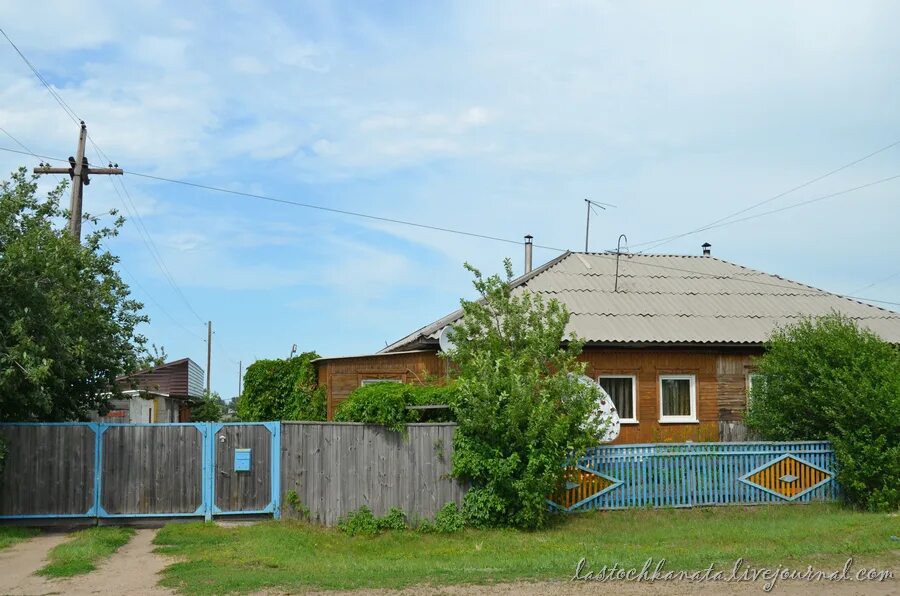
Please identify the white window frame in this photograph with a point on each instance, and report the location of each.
(692, 418)
(634, 399)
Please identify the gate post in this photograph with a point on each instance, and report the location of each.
(208, 469)
(275, 429)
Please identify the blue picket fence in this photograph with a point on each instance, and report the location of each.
(699, 474)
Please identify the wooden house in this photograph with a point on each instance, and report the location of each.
(671, 338)
(160, 394)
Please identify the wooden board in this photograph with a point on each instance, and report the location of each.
(152, 469)
(49, 470)
(337, 468)
(243, 491)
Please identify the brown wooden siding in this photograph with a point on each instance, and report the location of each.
(721, 377)
(342, 375)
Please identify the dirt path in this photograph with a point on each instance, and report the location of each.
(132, 570)
(19, 561)
(888, 588)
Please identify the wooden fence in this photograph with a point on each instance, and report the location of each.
(326, 470)
(336, 468)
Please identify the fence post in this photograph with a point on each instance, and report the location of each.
(275, 429)
(692, 476)
(208, 469)
(98, 466)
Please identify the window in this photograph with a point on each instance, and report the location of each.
(622, 390)
(753, 379)
(365, 382)
(677, 398)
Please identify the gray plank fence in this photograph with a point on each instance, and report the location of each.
(326, 470)
(337, 468)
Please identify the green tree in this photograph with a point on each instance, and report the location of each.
(68, 323)
(210, 408)
(282, 390)
(521, 410)
(828, 379)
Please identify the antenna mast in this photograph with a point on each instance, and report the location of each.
(590, 207)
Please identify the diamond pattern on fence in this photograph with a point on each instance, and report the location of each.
(787, 477)
(581, 484)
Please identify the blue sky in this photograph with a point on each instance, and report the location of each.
(496, 118)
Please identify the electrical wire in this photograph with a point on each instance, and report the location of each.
(607, 255)
(17, 141)
(666, 240)
(334, 210)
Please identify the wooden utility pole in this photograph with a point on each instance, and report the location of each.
(80, 172)
(208, 356)
(240, 376)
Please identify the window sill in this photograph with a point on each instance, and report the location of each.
(679, 421)
(629, 421)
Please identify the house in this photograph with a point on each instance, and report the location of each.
(159, 394)
(671, 338)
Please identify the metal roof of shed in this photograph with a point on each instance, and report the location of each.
(675, 299)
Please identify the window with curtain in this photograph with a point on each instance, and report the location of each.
(621, 388)
(678, 398)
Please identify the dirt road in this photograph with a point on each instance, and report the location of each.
(132, 570)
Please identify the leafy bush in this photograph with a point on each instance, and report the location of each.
(449, 519)
(363, 522)
(282, 390)
(828, 379)
(211, 408)
(385, 403)
(394, 520)
(522, 411)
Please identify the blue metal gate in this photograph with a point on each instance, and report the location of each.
(99, 470)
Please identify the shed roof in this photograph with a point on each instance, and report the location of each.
(675, 299)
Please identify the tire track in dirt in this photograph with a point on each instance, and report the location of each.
(133, 569)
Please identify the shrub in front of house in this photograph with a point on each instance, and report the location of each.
(521, 410)
(828, 379)
(387, 404)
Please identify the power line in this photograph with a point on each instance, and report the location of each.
(877, 282)
(62, 103)
(334, 210)
(17, 141)
(666, 240)
(145, 237)
(75, 118)
(794, 286)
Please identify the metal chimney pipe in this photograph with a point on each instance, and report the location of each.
(528, 247)
(706, 246)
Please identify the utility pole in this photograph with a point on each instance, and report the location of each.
(587, 228)
(208, 356)
(79, 171)
(240, 376)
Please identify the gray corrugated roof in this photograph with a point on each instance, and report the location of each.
(676, 299)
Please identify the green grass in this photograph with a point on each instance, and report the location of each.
(295, 556)
(85, 550)
(10, 535)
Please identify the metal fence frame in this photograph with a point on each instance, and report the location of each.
(207, 508)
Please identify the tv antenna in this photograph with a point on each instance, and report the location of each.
(590, 207)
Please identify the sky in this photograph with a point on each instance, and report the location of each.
(495, 118)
